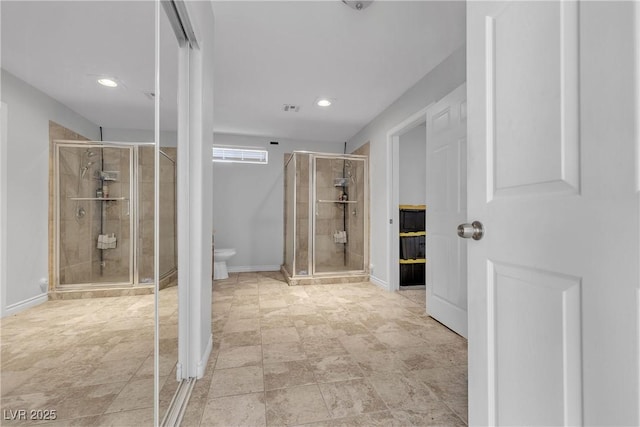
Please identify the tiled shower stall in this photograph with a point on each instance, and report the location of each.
(104, 216)
(326, 218)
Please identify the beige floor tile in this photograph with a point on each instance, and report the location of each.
(234, 357)
(295, 405)
(135, 418)
(288, 374)
(228, 382)
(323, 330)
(322, 347)
(276, 320)
(399, 339)
(270, 302)
(90, 400)
(374, 419)
(348, 328)
(242, 325)
(240, 339)
(242, 410)
(352, 397)
(305, 320)
(400, 392)
(434, 414)
(283, 352)
(76, 422)
(361, 343)
(420, 357)
(372, 362)
(136, 394)
(46, 380)
(302, 309)
(280, 335)
(111, 371)
(130, 350)
(335, 368)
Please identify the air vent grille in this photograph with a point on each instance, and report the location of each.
(291, 108)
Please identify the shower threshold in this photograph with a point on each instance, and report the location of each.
(97, 291)
(325, 278)
(104, 290)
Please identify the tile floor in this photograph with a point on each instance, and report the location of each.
(322, 355)
(327, 355)
(90, 360)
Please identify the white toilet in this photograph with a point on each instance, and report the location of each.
(220, 258)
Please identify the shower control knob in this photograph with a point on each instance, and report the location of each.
(474, 231)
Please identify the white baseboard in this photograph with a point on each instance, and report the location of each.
(252, 268)
(378, 282)
(202, 364)
(23, 305)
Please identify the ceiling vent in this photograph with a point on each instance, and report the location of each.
(291, 107)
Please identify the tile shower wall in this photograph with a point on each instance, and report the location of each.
(167, 213)
(77, 250)
(116, 217)
(302, 214)
(356, 249)
(329, 255)
(330, 215)
(79, 258)
(59, 132)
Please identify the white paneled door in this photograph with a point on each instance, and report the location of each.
(552, 168)
(446, 208)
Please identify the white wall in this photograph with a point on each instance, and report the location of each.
(195, 205)
(27, 194)
(413, 168)
(445, 77)
(248, 201)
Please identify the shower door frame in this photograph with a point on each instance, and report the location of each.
(312, 212)
(133, 213)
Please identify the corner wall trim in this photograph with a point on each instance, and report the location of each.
(380, 283)
(202, 364)
(25, 304)
(252, 268)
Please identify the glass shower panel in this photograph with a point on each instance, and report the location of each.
(355, 172)
(94, 214)
(168, 248)
(289, 209)
(333, 227)
(303, 224)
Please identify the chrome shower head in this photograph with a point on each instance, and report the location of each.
(85, 169)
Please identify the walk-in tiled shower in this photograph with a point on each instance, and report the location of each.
(103, 215)
(326, 218)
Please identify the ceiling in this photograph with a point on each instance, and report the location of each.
(274, 53)
(267, 54)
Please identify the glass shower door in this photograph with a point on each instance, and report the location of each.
(339, 233)
(94, 214)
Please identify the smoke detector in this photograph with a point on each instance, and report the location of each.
(357, 4)
(291, 107)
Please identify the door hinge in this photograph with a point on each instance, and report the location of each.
(391, 221)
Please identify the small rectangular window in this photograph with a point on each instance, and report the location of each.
(240, 155)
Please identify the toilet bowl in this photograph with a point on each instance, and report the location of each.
(220, 258)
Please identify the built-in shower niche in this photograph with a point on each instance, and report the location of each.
(326, 218)
(104, 215)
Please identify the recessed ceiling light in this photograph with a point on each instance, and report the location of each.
(323, 102)
(105, 81)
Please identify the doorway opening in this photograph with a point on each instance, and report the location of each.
(443, 171)
(406, 148)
